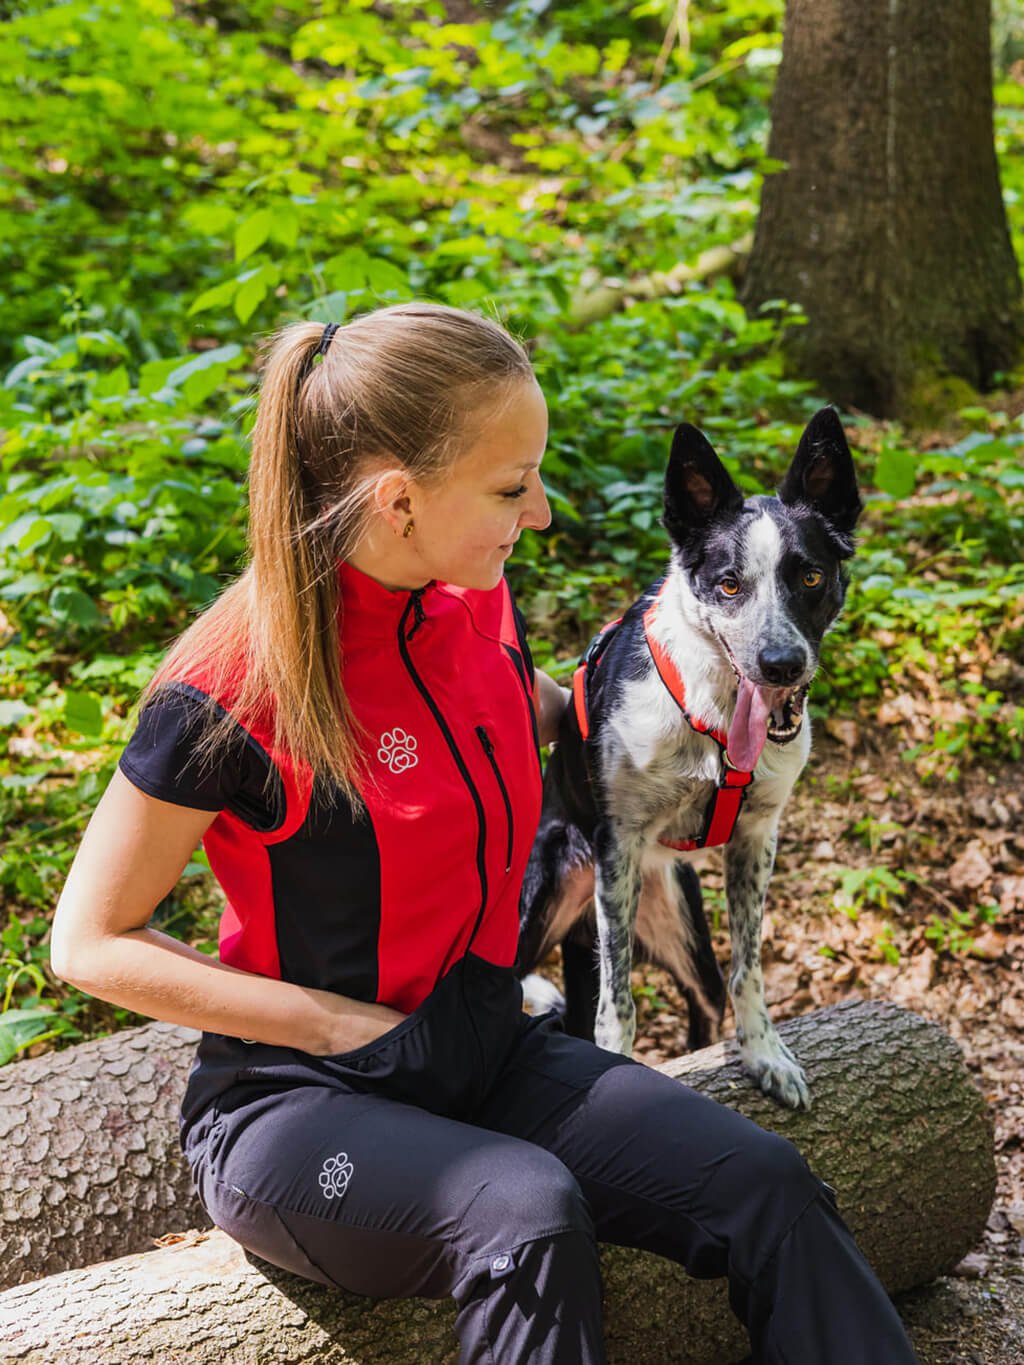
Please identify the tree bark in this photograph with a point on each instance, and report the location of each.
(898, 1127)
(90, 1165)
(887, 224)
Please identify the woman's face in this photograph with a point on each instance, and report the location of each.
(467, 523)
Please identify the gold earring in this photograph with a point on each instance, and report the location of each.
(408, 530)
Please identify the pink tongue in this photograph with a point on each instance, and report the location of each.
(749, 729)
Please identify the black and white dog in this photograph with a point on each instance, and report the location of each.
(687, 729)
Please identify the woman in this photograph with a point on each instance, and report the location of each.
(353, 730)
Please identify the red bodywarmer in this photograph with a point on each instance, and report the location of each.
(375, 905)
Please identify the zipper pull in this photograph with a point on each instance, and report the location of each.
(420, 614)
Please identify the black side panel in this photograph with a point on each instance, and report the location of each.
(326, 881)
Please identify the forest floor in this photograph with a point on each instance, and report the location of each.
(859, 805)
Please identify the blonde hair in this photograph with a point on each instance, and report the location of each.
(404, 383)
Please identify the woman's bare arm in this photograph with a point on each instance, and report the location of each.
(133, 852)
(549, 701)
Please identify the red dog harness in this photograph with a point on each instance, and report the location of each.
(724, 807)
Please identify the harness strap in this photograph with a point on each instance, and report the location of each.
(672, 678)
(727, 799)
(590, 660)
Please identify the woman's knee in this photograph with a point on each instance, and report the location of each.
(527, 1193)
(771, 1186)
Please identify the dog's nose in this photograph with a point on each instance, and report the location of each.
(781, 665)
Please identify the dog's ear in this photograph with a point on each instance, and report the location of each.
(822, 475)
(698, 488)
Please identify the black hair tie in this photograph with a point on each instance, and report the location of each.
(317, 357)
(327, 337)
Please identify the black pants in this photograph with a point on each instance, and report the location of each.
(475, 1152)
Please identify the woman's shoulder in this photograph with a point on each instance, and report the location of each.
(192, 747)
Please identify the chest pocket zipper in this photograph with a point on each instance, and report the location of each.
(488, 749)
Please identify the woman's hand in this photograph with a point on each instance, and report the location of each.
(549, 703)
(358, 1024)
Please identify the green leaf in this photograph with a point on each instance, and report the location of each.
(114, 384)
(25, 586)
(896, 472)
(252, 233)
(67, 525)
(384, 276)
(23, 368)
(71, 604)
(13, 713)
(211, 220)
(217, 297)
(347, 271)
(38, 531)
(254, 291)
(83, 713)
(285, 227)
(19, 1027)
(218, 356)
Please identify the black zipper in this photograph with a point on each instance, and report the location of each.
(481, 842)
(421, 615)
(485, 740)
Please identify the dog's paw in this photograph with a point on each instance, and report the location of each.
(615, 1033)
(541, 995)
(772, 1065)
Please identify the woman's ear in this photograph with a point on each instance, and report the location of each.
(392, 498)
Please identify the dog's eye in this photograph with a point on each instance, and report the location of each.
(729, 586)
(812, 578)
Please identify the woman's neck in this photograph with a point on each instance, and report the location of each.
(392, 563)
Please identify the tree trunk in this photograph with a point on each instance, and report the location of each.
(90, 1165)
(898, 1127)
(887, 224)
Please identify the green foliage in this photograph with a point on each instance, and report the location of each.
(180, 180)
(870, 886)
(955, 933)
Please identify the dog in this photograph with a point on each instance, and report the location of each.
(687, 729)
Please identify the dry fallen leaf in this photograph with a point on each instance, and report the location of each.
(183, 1239)
(1011, 894)
(989, 945)
(847, 732)
(971, 870)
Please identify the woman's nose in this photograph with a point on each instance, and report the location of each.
(537, 515)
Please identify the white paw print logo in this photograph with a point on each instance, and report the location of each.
(398, 750)
(335, 1175)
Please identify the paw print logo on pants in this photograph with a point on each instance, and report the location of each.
(398, 750)
(336, 1174)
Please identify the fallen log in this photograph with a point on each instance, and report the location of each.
(90, 1165)
(596, 301)
(898, 1127)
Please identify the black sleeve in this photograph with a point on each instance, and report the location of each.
(161, 760)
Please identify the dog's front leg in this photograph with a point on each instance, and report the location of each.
(616, 896)
(748, 868)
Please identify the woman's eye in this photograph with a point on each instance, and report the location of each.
(516, 492)
(812, 578)
(730, 586)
